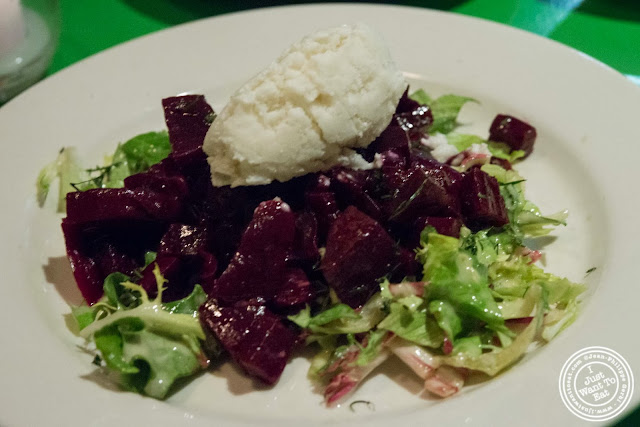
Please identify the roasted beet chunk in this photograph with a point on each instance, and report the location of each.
(517, 134)
(188, 119)
(258, 269)
(305, 246)
(421, 191)
(112, 204)
(295, 291)
(358, 253)
(482, 204)
(96, 250)
(87, 273)
(412, 116)
(393, 139)
(183, 240)
(254, 337)
(321, 200)
(351, 189)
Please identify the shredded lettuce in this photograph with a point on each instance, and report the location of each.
(557, 320)
(413, 324)
(525, 218)
(342, 319)
(372, 348)
(498, 359)
(514, 277)
(447, 318)
(149, 343)
(457, 277)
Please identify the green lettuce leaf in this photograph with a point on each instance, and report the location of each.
(160, 361)
(342, 319)
(445, 110)
(525, 217)
(145, 150)
(447, 318)
(495, 361)
(514, 277)
(469, 346)
(503, 151)
(557, 320)
(490, 245)
(413, 325)
(372, 349)
(464, 141)
(150, 344)
(457, 277)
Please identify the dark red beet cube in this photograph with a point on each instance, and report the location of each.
(305, 246)
(258, 268)
(358, 253)
(86, 272)
(394, 139)
(188, 119)
(295, 291)
(112, 204)
(514, 132)
(424, 192)
(406, 104)
(183, 240)
(320, 199)
(351, 189)
(482, 204)
(412, 116)
(254, 337)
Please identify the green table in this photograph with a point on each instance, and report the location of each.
(608, 30)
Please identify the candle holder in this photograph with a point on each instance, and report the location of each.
(29, 31)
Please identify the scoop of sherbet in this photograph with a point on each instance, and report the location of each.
(331, 92)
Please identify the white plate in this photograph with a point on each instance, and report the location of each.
(585, 160)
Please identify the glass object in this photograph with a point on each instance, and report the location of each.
(29, 31)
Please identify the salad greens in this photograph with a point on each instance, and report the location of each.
(134, 156)
(445, 110)
(151, 344)
(481, 301)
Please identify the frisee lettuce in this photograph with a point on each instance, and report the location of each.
(150, 344)
(457, 277)
(498, 359)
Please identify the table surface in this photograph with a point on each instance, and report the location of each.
(608, 30)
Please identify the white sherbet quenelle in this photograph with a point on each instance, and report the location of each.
(329, 93)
